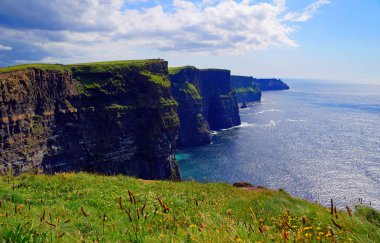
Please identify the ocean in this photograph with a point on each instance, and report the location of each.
(317, 141)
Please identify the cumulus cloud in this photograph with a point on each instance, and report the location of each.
(5, 48)
(68, 30)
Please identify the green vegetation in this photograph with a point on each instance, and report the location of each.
(246, 90)
(68, 104)
(94, 67)
(106, 77)
(202, 126)
(176, 70)
(45, 67)
(98, 67)
(37, 125)
(159, 80)
(164, 103)
(188, 88)
(117, 107)
(83, 207)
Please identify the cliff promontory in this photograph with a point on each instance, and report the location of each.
(271, 84)
(246, 89)
(111, 118)
(205, 101)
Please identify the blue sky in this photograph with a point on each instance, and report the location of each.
(314, 39)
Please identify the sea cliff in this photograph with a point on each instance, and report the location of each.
(111, 118)
(205, 102)
(271, 84)
(246, 89)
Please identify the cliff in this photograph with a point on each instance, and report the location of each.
(219, 100)
(111, 118)
(271, 84)
(194, 129)
(246, 89)
(205, 101)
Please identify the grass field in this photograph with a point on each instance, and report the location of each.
(88, 67)
(85, 207)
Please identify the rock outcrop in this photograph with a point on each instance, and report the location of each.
(206, 101)
(194, 129)
(246, 89)
(219, 100)
(111, 118)
(271, 84)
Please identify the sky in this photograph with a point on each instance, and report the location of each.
(314, 39)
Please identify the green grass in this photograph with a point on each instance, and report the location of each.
(94, 67)
(246, 90)
(176, 70)
(159, 80)
(111, 66)
(83, 207)
(44, 67)
(188, 89)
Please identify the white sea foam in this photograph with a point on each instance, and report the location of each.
(214, 133)
(291, 120)
(271, 123)
(270, 110)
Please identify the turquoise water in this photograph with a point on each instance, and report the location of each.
(317, 141)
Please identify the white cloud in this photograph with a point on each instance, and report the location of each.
(5, 48)
(308, 12)
(109, 29)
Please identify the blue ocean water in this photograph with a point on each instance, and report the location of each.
(317, 141)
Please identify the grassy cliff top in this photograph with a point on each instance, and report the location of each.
(176, 70)
(83, 207)
(41, 66)
(95, 66)
(114, 65)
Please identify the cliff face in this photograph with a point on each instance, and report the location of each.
(205, 101)
(220, 103)
(246, 89)
(271, 84)
(110, 118)
(194, 129)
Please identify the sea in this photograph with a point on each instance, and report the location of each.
(318, 141)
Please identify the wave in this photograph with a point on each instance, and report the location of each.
(291, 120)
(213, 133)
(271, 123)
(270, 110)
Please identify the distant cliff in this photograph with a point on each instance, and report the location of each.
(246, 89)
(205, 101)
(271, 84)
(115, 117)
